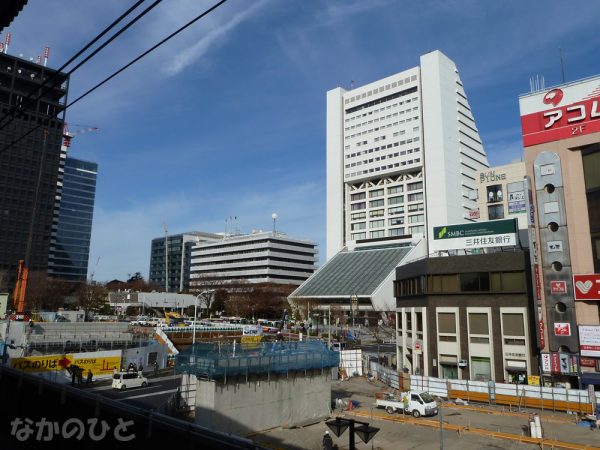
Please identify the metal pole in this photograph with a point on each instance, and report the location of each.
(351, 446)
(329, 326)
(441, 428)
(195, 315)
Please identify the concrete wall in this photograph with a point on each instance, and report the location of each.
(239, 406)
(139, 355)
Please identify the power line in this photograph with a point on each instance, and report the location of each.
(151, 49)
(53, 79)
(114, 74)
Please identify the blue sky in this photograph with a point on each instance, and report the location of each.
(228, 119)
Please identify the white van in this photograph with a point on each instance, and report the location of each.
(124, 380)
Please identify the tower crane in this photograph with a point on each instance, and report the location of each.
(69, 135)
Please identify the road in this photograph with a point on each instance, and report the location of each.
(150, 397)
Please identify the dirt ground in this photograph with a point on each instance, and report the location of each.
(395, 435)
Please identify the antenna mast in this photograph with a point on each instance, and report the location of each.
(562, 66)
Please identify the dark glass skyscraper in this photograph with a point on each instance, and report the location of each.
(29, 166)
(70, 247)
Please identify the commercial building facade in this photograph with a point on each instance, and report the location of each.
(170, 259)
(27, 207)
(403, 153)
(260, 257)
(70, 245)
(561, 136)
(467, 317)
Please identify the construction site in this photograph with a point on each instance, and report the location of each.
(289, 382)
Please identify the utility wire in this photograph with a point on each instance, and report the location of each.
(114, 74)
(151, 49)
(14, 108)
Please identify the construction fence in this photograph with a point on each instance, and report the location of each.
(512, 395)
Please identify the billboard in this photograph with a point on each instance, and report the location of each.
(492, 233)
(589, 340)
(586, 287)
(567, 111)
(100, 363)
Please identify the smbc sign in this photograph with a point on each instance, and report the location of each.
(493, 233)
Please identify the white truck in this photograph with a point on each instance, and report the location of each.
(417, 403)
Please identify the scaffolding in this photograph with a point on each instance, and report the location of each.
(218, 360)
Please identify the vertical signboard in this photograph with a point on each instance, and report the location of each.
(537, 295)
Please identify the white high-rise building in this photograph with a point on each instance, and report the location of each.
(403, 154)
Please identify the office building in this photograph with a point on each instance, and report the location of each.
(29, 167)
(467, 317)
(403, 154)
(259, 257)
(70, 246)
(561, 136)
(174, 276)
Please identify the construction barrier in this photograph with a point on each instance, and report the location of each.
(512, 395)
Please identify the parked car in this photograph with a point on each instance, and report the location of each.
(125, 380)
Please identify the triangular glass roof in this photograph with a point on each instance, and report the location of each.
(359, 271)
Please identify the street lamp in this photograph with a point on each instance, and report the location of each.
(353, 306)
(210, 291)
(364, 430)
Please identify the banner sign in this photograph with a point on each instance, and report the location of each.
(589, 340)
(98, 362)
(561, 113)
(493, 233)
(586, 287)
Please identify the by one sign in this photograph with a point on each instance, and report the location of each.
(589, 340)
(492, 233)
(558, 287)
(561, 113)
(586, 287)
(562, 329)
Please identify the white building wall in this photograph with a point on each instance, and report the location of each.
(416, 123)
(335, 164)
(453, 150)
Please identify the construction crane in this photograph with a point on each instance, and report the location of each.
(69, 135)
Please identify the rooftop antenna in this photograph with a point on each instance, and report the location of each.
(351, 84)
(274, 216)
(46, 54)
(562, 66)
(6, 42)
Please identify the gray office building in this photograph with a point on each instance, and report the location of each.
(174, 276)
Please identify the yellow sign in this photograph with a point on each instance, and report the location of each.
(251, 339)
(533, 380)
(98, 364)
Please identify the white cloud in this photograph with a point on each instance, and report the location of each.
(191, 54)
